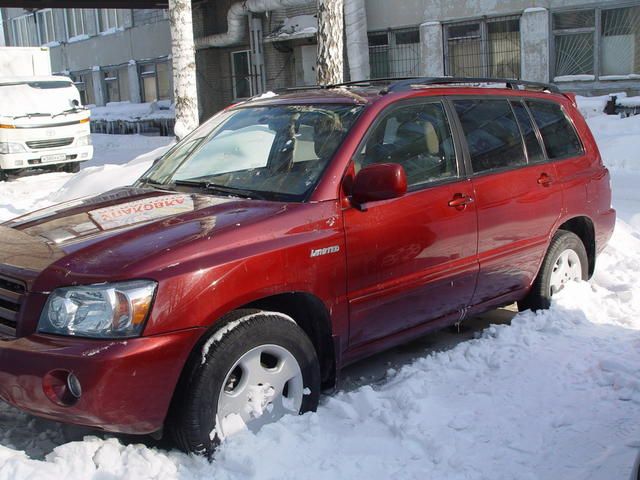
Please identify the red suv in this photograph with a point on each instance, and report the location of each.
(287, 237)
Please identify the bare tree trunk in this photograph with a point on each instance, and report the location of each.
(330, 46)
(355, 22)
(184, 67)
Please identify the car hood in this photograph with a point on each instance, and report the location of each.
(103, 237)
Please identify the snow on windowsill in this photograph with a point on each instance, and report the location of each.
(78, 38)
(630, 76)
(111, 31)
(574, 78)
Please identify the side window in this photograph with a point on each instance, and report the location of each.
(418, 137)
(534, 149)
(492, 134)
(560, 139)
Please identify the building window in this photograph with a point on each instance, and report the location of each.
(116, 80)
(109, 19)
(483, 48)
(394, 53)
(620, 41)
(84, 83)
(241, 74)
(156, 81)
(75, 19)
(24, 31)
(600, 43)
(46, 29)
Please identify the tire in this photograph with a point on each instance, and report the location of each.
(272, 340)
(564, 244)
(73, 167)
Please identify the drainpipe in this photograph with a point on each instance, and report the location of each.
(355, 21)
(236, 21)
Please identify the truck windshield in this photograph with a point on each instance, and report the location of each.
(273, 152)
(36, 98)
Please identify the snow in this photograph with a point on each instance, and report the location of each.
(78, 38)
(534, 9)
(552, 395)
(300, 26)
(574, 78)
(128, 111)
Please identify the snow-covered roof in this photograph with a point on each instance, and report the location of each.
(301, 26)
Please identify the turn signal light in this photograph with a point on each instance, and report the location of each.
(2, 125)
(85, 120)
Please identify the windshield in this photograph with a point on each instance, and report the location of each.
(36, 98)
(276, 152)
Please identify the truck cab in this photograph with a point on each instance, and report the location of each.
(42, 124)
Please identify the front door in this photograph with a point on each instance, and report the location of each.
(411, 259)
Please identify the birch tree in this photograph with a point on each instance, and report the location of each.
(330, 64)
(184, 67)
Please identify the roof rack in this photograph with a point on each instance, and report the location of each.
(396, 84)
(512, 83)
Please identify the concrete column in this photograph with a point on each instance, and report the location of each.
(98, 86)
(534, 34)
(431, 49)
(134, 82)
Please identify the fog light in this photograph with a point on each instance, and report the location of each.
(73, 384)
(62, 387)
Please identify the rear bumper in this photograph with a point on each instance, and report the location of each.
(40, 158)
(127, 385)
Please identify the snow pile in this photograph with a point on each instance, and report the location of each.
(127, 111)
(300, 26)
(554, 395)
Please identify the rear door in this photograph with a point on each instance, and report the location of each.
(411, 259)
(517, 198)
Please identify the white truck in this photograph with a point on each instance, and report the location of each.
(42, 123)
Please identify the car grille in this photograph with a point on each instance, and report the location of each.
(58, 142)
(11, 297)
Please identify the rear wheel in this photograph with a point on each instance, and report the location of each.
(256, 368)
(566, 261)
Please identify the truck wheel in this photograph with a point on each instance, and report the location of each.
(566, 260)
(257, 367)
(73, 167)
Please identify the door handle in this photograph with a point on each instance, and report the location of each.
(460, 201)
(545, 180)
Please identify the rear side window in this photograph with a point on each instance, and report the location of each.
(417, 137)
(560, 139)
(492, 134)
(534, 150)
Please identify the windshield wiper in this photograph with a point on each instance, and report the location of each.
(70, 110)
(151, 183)
(36, 114)
(236, 192)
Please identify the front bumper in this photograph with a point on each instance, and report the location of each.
(40, 158)
(127, 385)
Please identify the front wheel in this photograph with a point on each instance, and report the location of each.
(256, 368)
(566, 261)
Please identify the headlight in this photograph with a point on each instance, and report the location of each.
(10, 147)
(83, 141)
(112, 310)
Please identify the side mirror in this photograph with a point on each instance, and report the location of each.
(75, 103)
(380, 181)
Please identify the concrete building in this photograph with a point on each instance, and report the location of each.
(587, 46)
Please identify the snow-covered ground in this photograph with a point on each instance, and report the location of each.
(553, 395)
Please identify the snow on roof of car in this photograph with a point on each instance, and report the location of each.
(41, 78)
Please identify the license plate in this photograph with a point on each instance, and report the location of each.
(57, 157)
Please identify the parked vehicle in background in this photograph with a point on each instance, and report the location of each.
(288, 237)
(42, 122)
